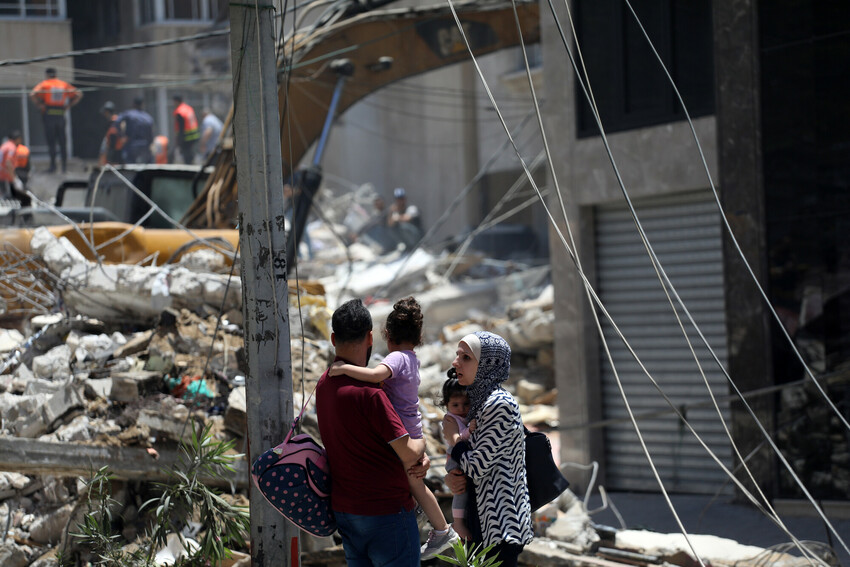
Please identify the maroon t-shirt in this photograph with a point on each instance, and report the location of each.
(357, 423)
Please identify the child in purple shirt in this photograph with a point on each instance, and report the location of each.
(399, 375)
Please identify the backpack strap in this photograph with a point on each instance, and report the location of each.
(301, 413)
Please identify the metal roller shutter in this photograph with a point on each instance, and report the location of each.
(685, 232)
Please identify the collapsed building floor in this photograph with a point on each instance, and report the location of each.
(126, 359)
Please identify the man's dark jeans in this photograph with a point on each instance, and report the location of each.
(388, 541)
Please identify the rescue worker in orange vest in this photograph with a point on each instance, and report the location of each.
(186, 132)
(22, 163)
(159, 149)
(113, 141)
(10, 186)
(54, 97)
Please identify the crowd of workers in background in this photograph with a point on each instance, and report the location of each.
(129, 136)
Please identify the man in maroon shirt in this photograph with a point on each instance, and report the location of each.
(370, 454)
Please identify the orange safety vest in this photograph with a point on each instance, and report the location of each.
(7, 157)
(190, 122)
(159, 149)
(113, 141)
(54, 94)
(22, 157)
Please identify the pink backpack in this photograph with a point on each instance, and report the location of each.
(294, 477)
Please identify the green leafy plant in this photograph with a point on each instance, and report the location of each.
(471, 555)
(185, 499)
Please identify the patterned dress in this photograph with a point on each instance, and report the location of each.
(496, 464)
(494, 458)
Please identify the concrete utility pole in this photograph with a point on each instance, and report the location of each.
(262, 240)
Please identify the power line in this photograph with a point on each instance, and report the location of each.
(115, 48)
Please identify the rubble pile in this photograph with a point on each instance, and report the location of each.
(140, 355)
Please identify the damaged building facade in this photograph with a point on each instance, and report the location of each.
(765, 85)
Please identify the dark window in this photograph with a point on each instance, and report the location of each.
(629, 85)
(147, 12)
(31, 8)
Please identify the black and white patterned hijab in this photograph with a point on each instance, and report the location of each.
(494, 367)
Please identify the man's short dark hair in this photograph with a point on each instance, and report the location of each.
(351, 322)
(15, 134)
(177, 98)
(138, 101)
(50, 72)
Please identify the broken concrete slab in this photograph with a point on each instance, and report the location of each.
(98, 387)
(713, 550)
(32, 415)
(61, 402)
(134, 345)
(21, 415)
(236, 415)
(35, 457)
(55, 364)
(114, 292)
(93, 347)
(49, 528)
(79, 429)
(11, 555)
(11, 483)
(10, 339)
(528, 391)
(131, 386)
(170, 419)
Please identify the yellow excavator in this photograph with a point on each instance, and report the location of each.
(378, 47)
(362, 38)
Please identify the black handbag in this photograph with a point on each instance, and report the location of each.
(545, 480)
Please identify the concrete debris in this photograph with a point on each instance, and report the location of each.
(175, 548)
(54, 364)
(11, 555)
(572, 526)
(112, 292)
(236, 416)
(140, 354)
(10, 339)
(170, 419)
(713, 550)
(49, 528)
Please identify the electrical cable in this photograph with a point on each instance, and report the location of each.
(774, 517)
(573, 256)
(155, 207)
(485, 223)
(589, 288)
(115, 48)
(687, 312)
(584, 80)
(728, 227)
(587, 285)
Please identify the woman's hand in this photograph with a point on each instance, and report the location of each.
(336, 368)
(419, 469)
(451, 431)
(473, 425)
(456, 481)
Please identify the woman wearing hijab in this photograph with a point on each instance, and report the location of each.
(493, 459)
